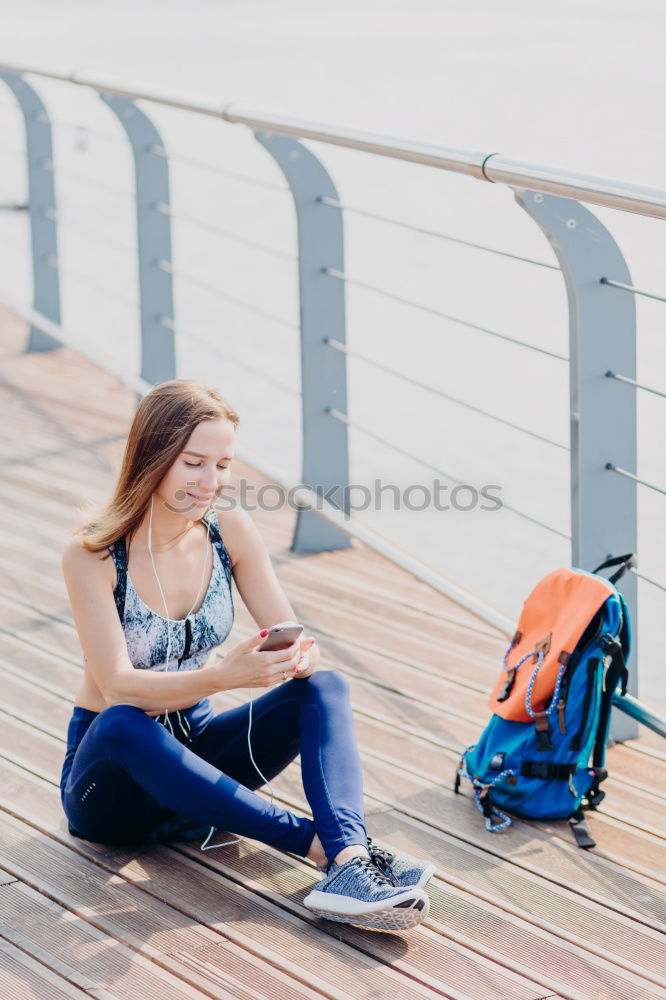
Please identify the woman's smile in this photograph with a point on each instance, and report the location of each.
(199, 502)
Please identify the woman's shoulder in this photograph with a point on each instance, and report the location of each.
(233, 525)
(77, 558)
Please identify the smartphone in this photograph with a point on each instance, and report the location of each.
(281, 637)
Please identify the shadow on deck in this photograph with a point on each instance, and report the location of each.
(523, 914)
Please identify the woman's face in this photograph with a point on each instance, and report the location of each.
(201, 471)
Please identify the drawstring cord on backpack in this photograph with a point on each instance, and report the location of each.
(511, 671)
(481, 794)
(556, 693)
(520, 662)
(530, 687)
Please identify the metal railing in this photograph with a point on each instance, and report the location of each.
(602, 318)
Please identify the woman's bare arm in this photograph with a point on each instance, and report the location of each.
(258, 584)
(253, 571)
(105, 649)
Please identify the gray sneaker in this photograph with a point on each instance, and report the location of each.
(401, 868)
(359, 893)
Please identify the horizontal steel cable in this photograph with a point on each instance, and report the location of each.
(629, 475)
(176, 328)
(211, 227)
(213, 168)
(334, 203)
(648, 579)
(164, 265)
(434, 468)
(75, 227)
(338, 346)
(87, 179)
(341, 276)
(92, 283)
(636, 385)
(631, 288)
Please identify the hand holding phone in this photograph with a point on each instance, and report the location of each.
(244, 667)
(281, 636)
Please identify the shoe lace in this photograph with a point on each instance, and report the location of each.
(374, 874)
(382, 859)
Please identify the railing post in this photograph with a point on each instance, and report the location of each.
(322, 315)
(158, 354)
(602, 337)
(41, 207)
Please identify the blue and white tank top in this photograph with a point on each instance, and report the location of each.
(192, 638)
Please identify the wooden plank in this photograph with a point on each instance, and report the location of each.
(133, 911)
(362, 961)
(282, 879)
(638, 942)
(77, 957)
(22, 977)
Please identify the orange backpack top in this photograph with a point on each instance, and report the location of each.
(552, 621)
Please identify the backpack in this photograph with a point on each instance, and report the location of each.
(552, 703)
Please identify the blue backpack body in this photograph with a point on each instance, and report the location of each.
(544, 767)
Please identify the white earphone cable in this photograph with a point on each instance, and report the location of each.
(205, 846)
(168, 621)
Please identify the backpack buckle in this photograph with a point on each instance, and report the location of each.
(508, 684)
(609, 643)
(594, 794)
(542, 726)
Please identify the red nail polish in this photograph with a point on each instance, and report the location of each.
(264, 632)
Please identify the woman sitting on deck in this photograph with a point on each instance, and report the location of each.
(147, 758)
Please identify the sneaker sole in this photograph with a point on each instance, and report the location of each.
(397, 914)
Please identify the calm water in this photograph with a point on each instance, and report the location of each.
(574, 85)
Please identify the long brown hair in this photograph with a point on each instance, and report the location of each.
(162, 424)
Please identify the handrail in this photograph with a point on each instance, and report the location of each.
(602, 325)
(641, 713)
(493, 167)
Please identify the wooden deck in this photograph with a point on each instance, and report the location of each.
(523, 915)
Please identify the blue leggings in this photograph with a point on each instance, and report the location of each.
(129, 774)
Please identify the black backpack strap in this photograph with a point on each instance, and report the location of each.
(625, 562)
(548, 770)
(625, 630)
(119, 552)
(616, 673)
(580, 830)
